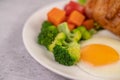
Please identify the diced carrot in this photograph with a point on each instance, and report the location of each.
(76, 18)
(56, 16)
(71, 26)
(89, 24)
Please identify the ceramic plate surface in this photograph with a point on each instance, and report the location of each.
(44, 57)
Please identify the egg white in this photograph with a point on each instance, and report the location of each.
(111, 71)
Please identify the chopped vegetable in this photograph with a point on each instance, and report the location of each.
(86, 35)
(63, 27)
(82, 2)
(92, 31)
(56, 16)
(59, 39)
(47, 35)
(75, 35)
(45, 25)
(89, 24)
(82, 29)
(64, 30)
(76, 18)
(72, 36)
(70, 7)
(68, 54)
(84, 32)
(71, 26)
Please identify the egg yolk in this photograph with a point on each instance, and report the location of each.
(99, 55)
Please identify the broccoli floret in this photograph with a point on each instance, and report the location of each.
(62, 56)
(47, 34)
(85, 34)
(45, 24)
(59, 40)
(63, 27)
(67, 54)
(76, 35)
(92, 31)
(72, 36)
(82, 29)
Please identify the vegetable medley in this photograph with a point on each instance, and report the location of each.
(63, 31)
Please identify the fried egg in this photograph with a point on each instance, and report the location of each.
(100, 56)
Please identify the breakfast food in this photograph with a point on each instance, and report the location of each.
(106, 55)
(67, 30)
(103, 50)
(64, 29)
(76, 38)
(96, 58)
(106, 13)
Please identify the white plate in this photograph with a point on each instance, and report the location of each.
(40, 54)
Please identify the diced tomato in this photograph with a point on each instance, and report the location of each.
(89, 24)
(70, 7)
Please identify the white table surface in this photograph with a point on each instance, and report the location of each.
(15, 61)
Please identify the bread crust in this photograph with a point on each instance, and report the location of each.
(106, 13)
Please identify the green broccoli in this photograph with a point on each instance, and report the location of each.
(85, 34)
(46, 24)
(47, 34)
(82, 2)
(72, 36)
(92, 31)
(67, 54)
(59, 40)
(82, 29)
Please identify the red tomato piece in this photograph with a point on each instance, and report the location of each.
(70, 7)
(89, 24)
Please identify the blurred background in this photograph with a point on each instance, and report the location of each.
(15, 61)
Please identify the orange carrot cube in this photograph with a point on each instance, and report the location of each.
(76, 18)
(56, 16)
